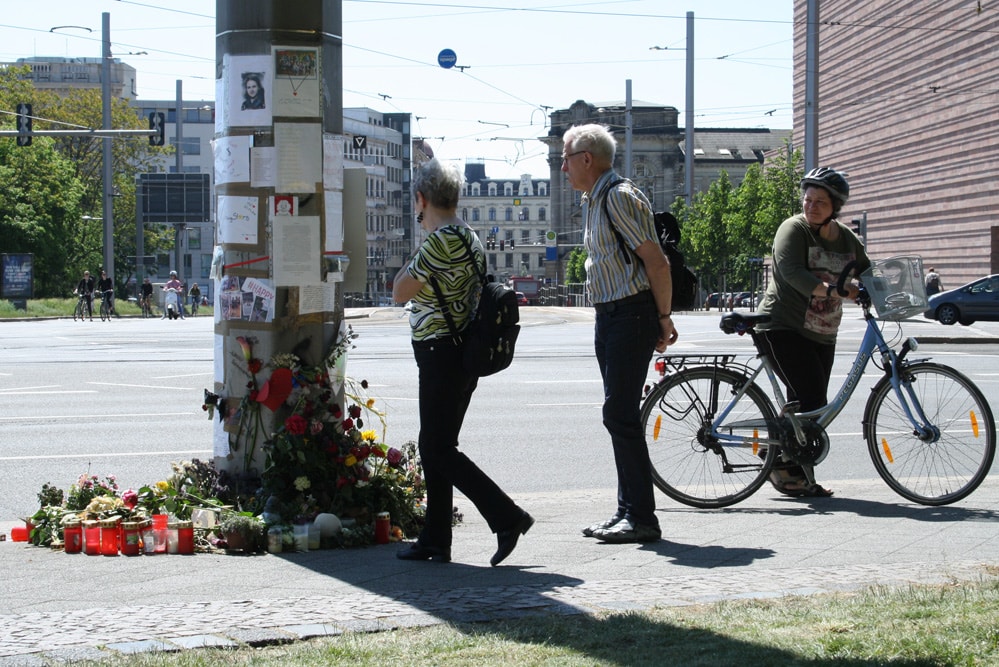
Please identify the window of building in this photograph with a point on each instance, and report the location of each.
(492, 189)
(492, 214)
(543, 189)
(475, 215)
(194, 238)
(508, 214)
(475, 189)
(525, 213)
(541, 213)
(508, 189)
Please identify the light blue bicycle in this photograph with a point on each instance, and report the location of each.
(715, 435)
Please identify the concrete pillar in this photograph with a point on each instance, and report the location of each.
(279, 192)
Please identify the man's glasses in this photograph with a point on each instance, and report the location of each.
(565, 157)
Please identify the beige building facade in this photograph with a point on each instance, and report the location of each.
(908, 104)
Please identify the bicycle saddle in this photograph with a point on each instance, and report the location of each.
(738, 323)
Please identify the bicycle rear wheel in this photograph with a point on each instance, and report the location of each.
(688, 465)
(78, 311)
(105, 310)
(944, 470)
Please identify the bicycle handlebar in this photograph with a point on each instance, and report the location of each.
(843, 276)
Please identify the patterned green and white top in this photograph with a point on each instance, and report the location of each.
(444, 257)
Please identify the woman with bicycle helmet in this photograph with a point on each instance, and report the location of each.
(809, 252)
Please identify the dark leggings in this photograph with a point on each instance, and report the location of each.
(802, 364)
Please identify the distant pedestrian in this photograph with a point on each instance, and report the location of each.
(933, 284)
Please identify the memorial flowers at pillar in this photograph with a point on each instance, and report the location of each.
(323, 456)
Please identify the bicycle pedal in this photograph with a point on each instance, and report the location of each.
(790, 407)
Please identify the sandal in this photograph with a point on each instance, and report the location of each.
(791, 483)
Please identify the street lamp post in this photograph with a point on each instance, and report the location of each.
(107, 190)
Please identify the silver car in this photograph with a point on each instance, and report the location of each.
(978, 300)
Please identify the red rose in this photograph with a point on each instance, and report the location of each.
(347, 424)
(296, 425)
(355, 411)
(254, 365)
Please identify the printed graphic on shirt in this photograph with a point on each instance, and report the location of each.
(824, 314)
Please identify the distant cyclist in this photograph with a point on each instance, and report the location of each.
(195, 294)
(810, 251)
(106, 288)
(146, 297)
(86, 288)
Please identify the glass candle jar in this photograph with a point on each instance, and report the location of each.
(173, 538)
(185, 537)
(160, 532)
(148, 538)
(382, 528)
(72, 533)
(130, 538)
(275, 540)
(110, 537)
(92, 538)
(301, 533)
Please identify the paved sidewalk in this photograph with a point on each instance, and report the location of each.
(56, 607)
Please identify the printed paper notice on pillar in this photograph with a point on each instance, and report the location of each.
(296, 259)
(232, 159)
(317, 298)
(299, 160)
(296, 82)
(248, 84)
(263, 163)
(333, 205)
(237, 219)
(333, 162)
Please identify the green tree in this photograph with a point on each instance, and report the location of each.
(40, 214)
(575, 266)
(27, 217)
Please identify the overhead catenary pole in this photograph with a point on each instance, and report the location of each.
(812, 85)
(688, 133)
(628, 128)
(107, 187)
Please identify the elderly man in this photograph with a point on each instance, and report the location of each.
(628, 278)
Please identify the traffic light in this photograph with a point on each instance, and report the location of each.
(24, 124)
(156, 122)
(502, 243)
(511, 244)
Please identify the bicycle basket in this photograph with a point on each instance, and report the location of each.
(896, 287)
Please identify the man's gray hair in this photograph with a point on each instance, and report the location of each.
(593, 138)
(439, 182)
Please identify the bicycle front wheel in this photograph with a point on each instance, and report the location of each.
(105, 311)
(939, 470)
(690, 466)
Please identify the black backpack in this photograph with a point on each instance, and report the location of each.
(489, 339)
(668, 231)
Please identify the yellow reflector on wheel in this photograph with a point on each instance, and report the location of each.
(974, 423)
(658, 425)
(887, 450)
(756, 441)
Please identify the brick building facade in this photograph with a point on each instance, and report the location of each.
(907, 105)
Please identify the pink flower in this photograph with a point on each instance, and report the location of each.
(296, 425)
(130, 498)
(247, 347)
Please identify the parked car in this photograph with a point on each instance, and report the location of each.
(521, 299)
(978, 300)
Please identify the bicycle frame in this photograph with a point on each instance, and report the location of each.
(873, 341)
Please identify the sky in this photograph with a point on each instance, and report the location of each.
(516, 62)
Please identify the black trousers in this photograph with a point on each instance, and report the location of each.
(803, 365)
(445, 392)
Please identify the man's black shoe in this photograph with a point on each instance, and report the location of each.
(624, 531)
(506, 540)
(602, 525)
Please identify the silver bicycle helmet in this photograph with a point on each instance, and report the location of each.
(830, 180)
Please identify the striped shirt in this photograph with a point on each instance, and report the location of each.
(444, 257)
(608, 276)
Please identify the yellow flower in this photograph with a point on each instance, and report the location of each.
(369, 435)
(370, 403)
(350, 460)
(162, 486)
(302, 483)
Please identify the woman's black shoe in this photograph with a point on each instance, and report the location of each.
(507, 539)
(417, 551)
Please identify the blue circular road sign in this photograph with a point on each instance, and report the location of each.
(447, 58)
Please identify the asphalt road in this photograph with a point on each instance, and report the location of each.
(124, 398)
